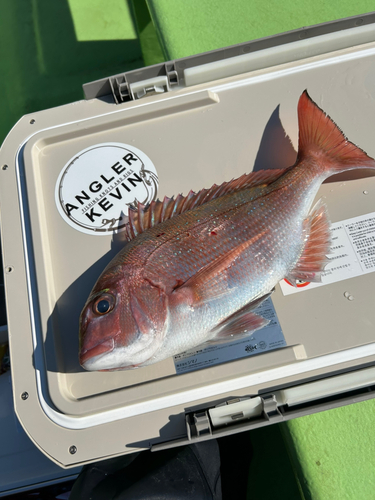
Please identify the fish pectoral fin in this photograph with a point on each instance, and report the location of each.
(314, 258)
(240, 324)
(203, 284)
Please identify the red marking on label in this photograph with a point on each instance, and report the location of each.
(299, 285)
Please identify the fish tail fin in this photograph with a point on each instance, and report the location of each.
(321, 138)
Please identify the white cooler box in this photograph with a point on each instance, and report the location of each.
(182, 125)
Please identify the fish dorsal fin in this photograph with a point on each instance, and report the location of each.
(144, 217)
(313, 259)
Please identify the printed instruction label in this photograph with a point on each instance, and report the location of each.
(268, 338)
(353, 253)
(95, 188)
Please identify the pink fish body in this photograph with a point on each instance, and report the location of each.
(196, 268)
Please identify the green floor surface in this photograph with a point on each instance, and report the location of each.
(151, 49)
(188, 27)
(49, 48)
(333, 452)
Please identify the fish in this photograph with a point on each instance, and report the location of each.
(196, 267)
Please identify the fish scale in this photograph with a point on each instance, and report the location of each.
(198, 266)
(266, 255)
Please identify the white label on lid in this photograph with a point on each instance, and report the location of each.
(95, 188)
(353, 253)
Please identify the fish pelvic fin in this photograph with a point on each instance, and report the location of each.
(144, 217)
(321, 138)
(314, 258)
(240, 324)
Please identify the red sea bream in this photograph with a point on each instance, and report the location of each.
(196, 267)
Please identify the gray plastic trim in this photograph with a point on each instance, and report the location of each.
(282, 54)
(175, 70)
(282, 414)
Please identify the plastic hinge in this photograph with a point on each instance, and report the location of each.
(120, 89)
(270, 409)
(203, 422)
(157, 84)
(131, 86)
(202, 425)
(172, 75)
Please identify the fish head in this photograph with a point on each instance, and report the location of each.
(123, 322)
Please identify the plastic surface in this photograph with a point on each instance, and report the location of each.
(226, 414)
(328, 387)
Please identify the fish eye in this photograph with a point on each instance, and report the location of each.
(104, 304)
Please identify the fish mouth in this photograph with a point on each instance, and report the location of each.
(108, 358)
(122, 368)
(110, 355)
(102, 362)
(95, 352)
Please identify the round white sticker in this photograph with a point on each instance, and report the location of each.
(95, 188)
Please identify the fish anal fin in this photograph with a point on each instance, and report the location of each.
(145, 217)
(318, 241)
